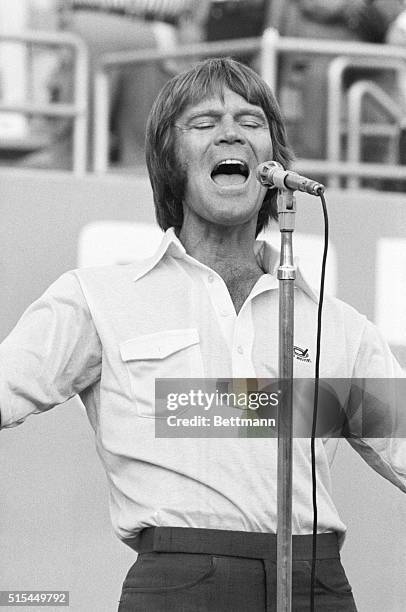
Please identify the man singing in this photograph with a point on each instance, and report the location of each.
(202, 512)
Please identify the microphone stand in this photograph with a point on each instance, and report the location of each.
(286, 276)
(272, 174)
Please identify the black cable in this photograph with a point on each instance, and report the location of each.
(316, 397)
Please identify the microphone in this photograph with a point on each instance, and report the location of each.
(272, 174)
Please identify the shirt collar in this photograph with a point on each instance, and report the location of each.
(170, 244)
(267, 256)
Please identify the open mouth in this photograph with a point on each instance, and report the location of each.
(230, 172)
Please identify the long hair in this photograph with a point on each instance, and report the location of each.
(206, 79)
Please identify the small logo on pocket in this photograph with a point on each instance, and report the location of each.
(301, 354)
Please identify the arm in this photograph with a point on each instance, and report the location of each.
(382, 408)
(333, 11)
(52, 354)
(162, 10)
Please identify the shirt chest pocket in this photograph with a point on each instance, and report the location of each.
(174, 353)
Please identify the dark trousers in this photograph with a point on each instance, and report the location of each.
(210, 570)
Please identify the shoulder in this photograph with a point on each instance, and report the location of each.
(75, 287)
(105, 284)
(344, 311)
(373, 355)
(335, 311)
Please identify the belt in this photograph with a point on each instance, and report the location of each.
(252, 545)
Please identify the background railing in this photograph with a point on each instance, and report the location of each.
(78, 109)
(345, 118)
(358, 93)
(348, 55)
(344, 109)
(270, 47)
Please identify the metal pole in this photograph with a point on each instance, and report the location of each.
(334, 102)
(286, 276)
(81, 117)
(269, 58)
(101, 122)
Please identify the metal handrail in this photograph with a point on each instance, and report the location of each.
(335, 101)
(273, 44)
(78, 109)
(322, 167)
(356, 96)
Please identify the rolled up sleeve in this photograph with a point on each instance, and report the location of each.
(52, 354)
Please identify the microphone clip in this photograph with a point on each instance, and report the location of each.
(271, 174)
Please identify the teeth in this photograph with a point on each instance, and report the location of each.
(231, 162)
(236, 172)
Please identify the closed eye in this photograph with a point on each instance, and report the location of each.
(207, 122)
(252, 122)
(203, 125)
(203, 122)
(207, 125)
(198, 123)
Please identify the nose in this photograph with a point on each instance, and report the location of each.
(229, 132)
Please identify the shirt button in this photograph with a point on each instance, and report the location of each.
(210, 278)
(240, 349)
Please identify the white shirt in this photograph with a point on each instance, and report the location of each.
(108, 332)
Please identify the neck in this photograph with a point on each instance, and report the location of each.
(221, 248)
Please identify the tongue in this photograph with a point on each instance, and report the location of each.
(229, 179)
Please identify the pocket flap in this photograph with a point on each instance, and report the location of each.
(159, 344)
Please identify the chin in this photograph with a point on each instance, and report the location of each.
(232, 218)
(234, 211)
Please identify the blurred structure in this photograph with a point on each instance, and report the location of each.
(396, 35)
(303, 82)
(108, 26)
(359, 95)
(29, 51)
(13, 85)
(229, 19)
(396, 32)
